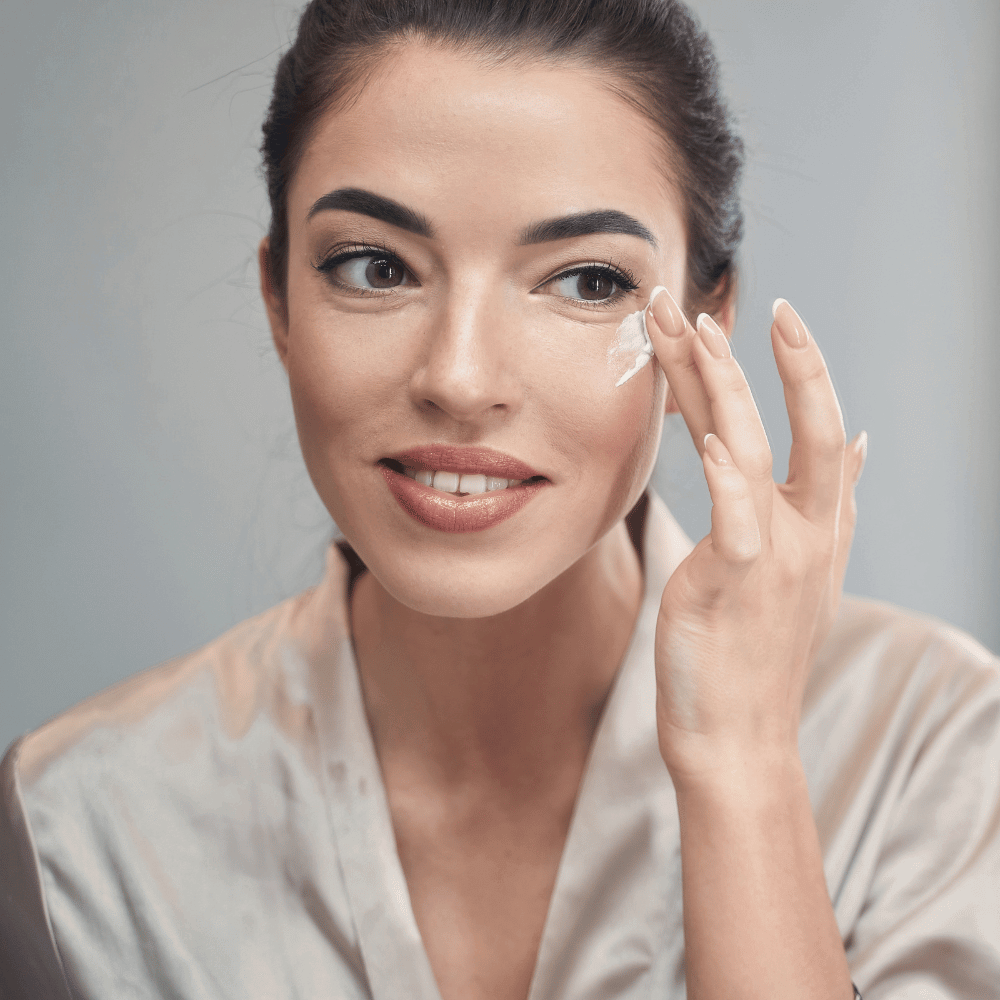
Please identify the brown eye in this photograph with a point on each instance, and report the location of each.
(364, 271)
(383, 273)
(594, 286)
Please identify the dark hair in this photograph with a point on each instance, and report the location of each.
(653, 53)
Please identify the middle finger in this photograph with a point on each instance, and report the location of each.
(735, 415)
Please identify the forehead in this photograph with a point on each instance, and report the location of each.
(436, 127)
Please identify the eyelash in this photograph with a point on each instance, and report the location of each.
(617, 273)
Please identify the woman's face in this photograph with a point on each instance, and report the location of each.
(471, 333)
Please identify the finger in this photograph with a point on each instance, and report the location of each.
(671, 335)
(735, 532)
(815, 466)
(854, 462)
(735, 415)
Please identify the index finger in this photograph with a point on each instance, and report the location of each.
(672, 336)
(815, 466)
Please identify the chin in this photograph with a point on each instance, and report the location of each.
(489, 595)
(481, 589)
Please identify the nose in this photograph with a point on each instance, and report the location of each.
(469, 366)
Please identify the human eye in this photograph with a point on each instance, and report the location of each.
(596, 284)
(350, 268)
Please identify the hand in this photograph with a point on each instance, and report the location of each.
(742, 616)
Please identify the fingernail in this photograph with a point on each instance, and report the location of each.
(716, 450)
(793, 330)
(861, 446)
(670, 319)
(713, 337)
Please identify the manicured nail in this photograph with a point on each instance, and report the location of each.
(792, 328)
(861, 446)
(713, 337)
(716, 450)
(666, 314)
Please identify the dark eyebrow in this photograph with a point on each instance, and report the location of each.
(377, 206)
(608, 220)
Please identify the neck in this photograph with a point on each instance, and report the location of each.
(502, 701)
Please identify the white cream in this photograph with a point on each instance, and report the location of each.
(631, 350)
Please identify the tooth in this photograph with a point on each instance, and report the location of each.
(472, 483)
(454, 482)
(447, 482)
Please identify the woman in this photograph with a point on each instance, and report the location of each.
(525, 739)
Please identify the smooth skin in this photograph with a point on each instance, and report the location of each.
(486, 659)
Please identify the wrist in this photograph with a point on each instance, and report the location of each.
(763, 775)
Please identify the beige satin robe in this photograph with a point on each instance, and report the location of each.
(216, 828)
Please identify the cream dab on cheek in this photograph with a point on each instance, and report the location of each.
(631, 349)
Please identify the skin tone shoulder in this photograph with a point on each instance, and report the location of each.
(486, 656)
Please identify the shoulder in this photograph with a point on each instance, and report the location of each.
(160, 721)
(896, 705)
(191, 790)
(900, 741)
(880, 651)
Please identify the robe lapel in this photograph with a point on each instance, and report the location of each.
(395, 960)
(614, 924)
(614, 927)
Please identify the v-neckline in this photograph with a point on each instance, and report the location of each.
(396, 961)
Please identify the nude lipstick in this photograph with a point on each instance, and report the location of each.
(460, 513)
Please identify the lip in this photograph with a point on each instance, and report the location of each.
(451, 458)
(446, 512)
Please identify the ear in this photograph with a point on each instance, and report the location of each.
(277, 312)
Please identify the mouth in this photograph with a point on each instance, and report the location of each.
(469, 493)
(460, 482)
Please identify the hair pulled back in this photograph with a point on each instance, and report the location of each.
(654, 54)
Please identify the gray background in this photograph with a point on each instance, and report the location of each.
(151, 489)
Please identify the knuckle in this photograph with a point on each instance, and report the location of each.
(814, 370)
(831, 442)
(733, 489)
(711, 597)
(733, 380)
(759, 464)
(743, 551)
(705, 591)
(686, 368)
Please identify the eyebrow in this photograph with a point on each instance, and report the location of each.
(607, 220)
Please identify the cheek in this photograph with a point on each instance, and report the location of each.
(636, 441)
(610, 433)
(340, 376)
